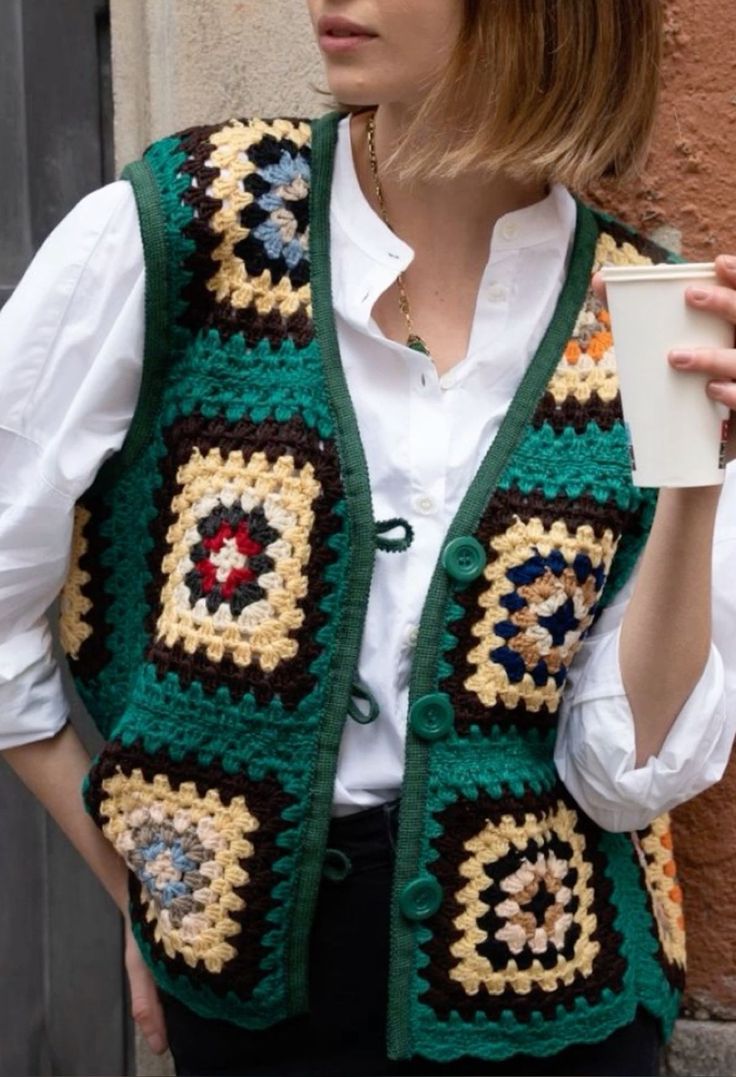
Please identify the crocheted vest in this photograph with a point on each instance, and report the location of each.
(213, 617)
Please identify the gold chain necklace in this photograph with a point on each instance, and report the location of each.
(413, 341)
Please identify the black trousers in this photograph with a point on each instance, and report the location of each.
(344, 1033)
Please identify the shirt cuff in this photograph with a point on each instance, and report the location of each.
(33, 705)
(596, 748)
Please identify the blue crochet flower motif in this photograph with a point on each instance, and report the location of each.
(163, 883)
(289, 181)
(550, 608)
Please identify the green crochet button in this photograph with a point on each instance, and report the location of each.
(421, 898)
(431, 716)
(464, 559)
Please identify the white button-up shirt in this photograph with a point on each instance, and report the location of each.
(71, 347)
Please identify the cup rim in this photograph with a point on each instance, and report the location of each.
(661, 272)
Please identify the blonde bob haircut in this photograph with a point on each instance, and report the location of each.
(553, 90)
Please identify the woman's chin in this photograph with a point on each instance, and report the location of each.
(355, 95)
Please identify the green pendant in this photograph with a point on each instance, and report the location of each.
(417, 344)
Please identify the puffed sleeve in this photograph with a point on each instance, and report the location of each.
(71, 353)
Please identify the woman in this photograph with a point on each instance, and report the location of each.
(372, 494)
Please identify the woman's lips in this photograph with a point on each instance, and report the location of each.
(341, 35)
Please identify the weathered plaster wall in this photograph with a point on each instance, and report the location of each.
(177, 63)
(705, 833)
(688, 188)
(689, 183)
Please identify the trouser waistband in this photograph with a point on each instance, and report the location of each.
(363, 840)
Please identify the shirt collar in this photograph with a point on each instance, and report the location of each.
(541, 223)
(357, 217)
(544, 222)
(367, 256)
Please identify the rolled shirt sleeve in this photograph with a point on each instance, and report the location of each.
(595, 752)
(32, 701)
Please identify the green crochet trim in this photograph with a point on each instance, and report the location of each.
(166, 159)
(424, 671)
(358, 570)
(157, 339)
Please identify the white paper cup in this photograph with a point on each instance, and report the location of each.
(676, 432)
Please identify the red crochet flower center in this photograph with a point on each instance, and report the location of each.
(246, 546)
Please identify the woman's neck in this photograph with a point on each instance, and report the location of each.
(449, 224)
(465, 206)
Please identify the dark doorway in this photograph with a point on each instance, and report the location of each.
(55, 119)
(62, 1002)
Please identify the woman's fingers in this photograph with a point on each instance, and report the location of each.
(719, 363)
(726, 268)
(724, 392)
(599, 287)
(144, 1001)
(718, 299)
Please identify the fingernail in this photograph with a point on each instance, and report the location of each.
(729, 262)
(681, 359)
(698, 294)
(717, 390)
(156, 1044)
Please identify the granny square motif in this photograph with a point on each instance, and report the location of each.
(527, 921)
(239, 552)
(201, 846)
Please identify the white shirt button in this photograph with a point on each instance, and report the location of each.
(424, 504)
(510, 230)
(498, 293)
(411, 635)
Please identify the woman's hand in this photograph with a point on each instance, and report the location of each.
(144, 1001)
(718, 363)
(53, 770)
(666, 632)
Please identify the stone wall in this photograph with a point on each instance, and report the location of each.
(178, 63)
